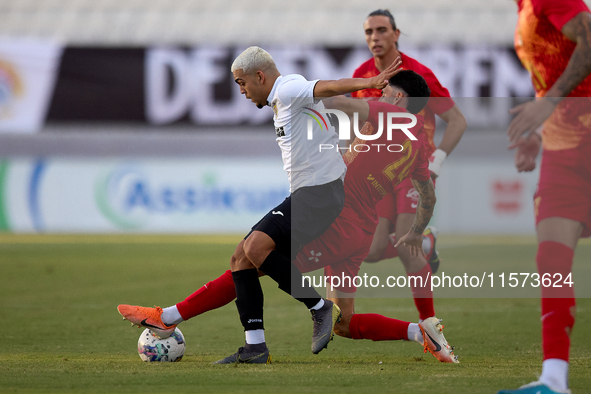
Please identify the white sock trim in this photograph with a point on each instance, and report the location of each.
(555, 374)
(318, 306)
(171, 315)
(254, 337)
(414, 333)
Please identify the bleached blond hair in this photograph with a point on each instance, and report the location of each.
(253, 59)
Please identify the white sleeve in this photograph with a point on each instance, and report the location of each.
(298, 93)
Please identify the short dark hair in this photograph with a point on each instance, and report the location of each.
(415, 86)
(385, 13)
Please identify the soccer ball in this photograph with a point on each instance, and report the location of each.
(152, 348)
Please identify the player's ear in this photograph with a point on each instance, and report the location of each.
(260, 77)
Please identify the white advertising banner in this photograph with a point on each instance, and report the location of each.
(216, 196)
(485, 197)
(28, 71)
(157, 196)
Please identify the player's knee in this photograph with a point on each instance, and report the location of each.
(374, 256)
(255, 253)
(239, 261)
(234, 265)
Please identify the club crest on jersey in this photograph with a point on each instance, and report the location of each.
(280, 132)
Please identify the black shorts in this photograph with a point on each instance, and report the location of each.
(302, 217)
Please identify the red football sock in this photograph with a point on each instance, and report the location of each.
(390, 251)
(213, 295)
(377, 327)
(558, 303)
(423, 295)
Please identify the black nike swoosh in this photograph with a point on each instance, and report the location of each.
(160, 328)
(432, 340)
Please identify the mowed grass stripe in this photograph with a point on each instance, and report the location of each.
(444, 240)
(61, 331)
(218, 239)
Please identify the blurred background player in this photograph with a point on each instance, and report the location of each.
(343, 247)
(397, 210)
(553, 41)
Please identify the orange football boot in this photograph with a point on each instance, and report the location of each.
(150, 318)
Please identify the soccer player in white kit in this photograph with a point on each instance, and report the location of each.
(316, 196)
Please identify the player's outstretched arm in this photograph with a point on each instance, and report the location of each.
(531, 115)
(348, 85)
(349, 106)
(414, 238)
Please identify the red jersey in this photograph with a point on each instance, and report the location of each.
(373, 173)
(545, 52)
(435, 106)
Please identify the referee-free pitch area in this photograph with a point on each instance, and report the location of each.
(60, 330)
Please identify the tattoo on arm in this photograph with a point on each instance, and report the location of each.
(578, 29)
(425, 206)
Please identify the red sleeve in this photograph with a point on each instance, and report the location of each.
(440, 100)
(559, 12)
(421, 171)
(357, 73)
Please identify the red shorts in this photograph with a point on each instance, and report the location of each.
(404, 199)
(340, 250)
(564, 188)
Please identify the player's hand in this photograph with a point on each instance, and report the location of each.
(414, 241)
(381, 81)
(529, 116)
(526, 153)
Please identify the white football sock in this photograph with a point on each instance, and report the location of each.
(555, 374)
(426, 245)
(318, 306)
(171, 316)
(254, 337)
(414, 333)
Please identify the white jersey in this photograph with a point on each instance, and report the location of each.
(292, 100)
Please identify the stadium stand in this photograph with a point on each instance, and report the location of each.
(191, 22)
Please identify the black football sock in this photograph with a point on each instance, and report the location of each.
(249, 299)
(259, 347)
(290, 279)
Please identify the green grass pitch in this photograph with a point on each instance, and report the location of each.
(60, 330)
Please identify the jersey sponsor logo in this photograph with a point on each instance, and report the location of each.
(280, 132)
(374, 182)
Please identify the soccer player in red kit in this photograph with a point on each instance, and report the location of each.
(553, 42)
(397, 210)
(343, 247)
